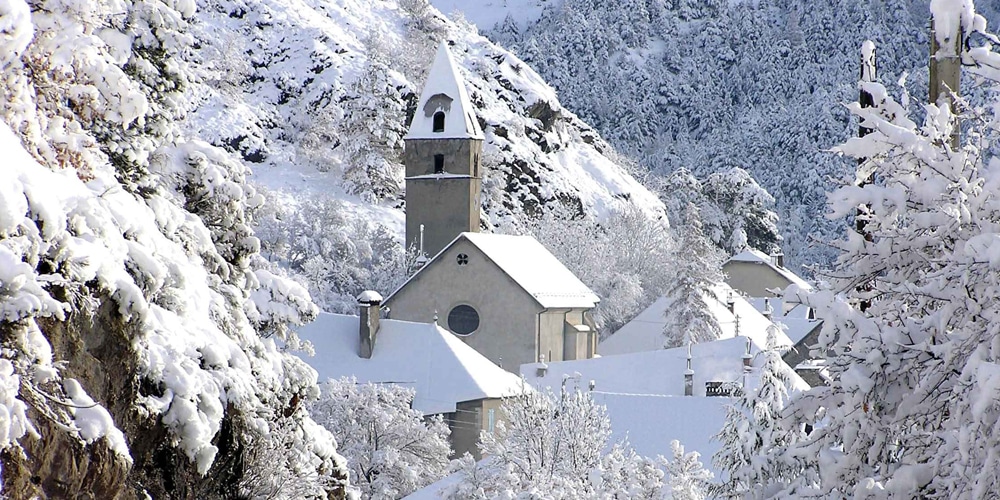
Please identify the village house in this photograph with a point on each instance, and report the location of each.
(763, 278)
(756, 274)
(449, 378)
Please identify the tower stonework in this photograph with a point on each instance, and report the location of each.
(442, 159)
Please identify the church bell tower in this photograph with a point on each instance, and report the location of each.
(443, 175)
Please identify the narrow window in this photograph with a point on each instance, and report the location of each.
(492, 420)
(438, 121)
(438, 164)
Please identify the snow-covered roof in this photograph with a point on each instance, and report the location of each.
(658, 371)
(758, 257)
(796, 322)
(535, 269)
(444, 91)
(441, 368)
(644, 391)
(645, 331)
(529, 264)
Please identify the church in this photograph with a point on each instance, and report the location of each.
(505, 296)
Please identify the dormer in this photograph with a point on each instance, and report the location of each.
(444, 110)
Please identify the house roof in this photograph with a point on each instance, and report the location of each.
(796, 321)
(530, 265)
(645, 331)
(644, 392)
(758, 257)
(441, 368)
(444, 91)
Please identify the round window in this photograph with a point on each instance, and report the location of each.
(463, 320)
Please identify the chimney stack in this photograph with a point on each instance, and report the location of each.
(730, 303)
(368, 305)
(689, 375)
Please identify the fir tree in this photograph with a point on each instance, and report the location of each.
(688, 478)
(689, 319)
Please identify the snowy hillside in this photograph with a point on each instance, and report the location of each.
(137, 335)
(315, 97)
(322, 92)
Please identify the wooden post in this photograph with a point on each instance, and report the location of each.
(946, 68)
(869, 71)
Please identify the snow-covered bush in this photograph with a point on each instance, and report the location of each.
(391, 449)
(688, 478)
(335, 253)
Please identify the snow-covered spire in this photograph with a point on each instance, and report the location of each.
(444, 110)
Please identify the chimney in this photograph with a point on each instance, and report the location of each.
(368, 305)
(542, 368)
(747, 357)
(768, 310)
(730, 303)
(689, 375)
(778, 258)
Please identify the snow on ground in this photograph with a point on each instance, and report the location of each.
(485, 14)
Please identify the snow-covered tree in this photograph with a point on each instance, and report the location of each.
(554, 446)
(754, 429)
(626, 259)
(697, 264)
(336, 254)
(689, 480)
(624, 474)
(391, 449)
(742, 212)
(911, 410)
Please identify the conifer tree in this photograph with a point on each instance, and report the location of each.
(754, 428)
(688, 479)
(688, 317)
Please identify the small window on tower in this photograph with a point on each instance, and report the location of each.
(438, 121)
(438, 164)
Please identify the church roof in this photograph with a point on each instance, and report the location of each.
(531, 266)
(444, 91)
(442, 369)
(535, 269)
(758, 257)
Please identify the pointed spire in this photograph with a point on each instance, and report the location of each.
(444, 110)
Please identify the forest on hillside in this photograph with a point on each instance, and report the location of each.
(708, 86)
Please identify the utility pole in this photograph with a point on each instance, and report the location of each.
(869, 71)
(946, 66)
